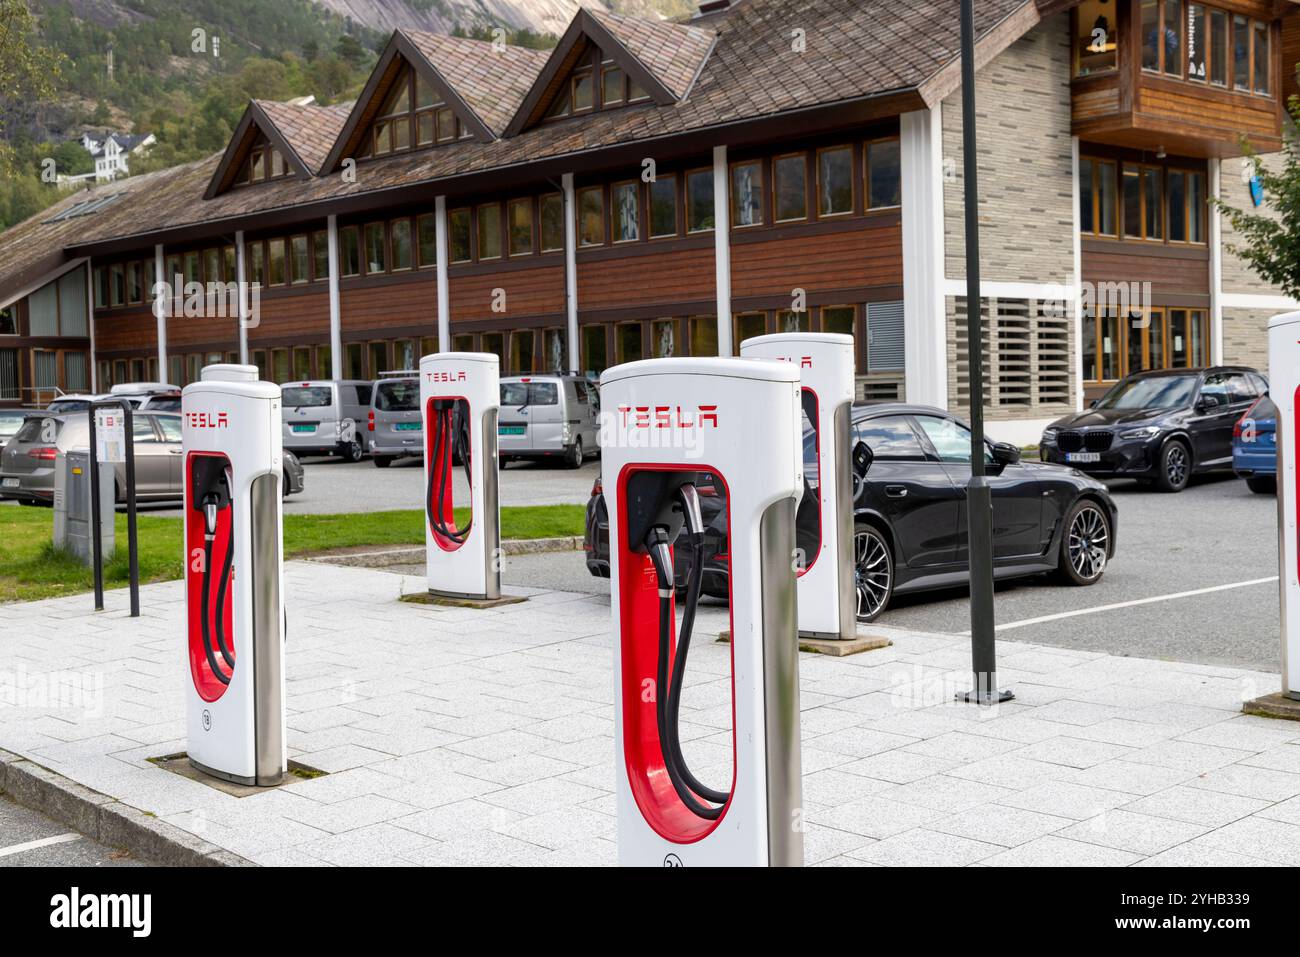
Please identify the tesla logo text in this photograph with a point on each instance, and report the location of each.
(445, 376)
(805, 362)
(207, 420)
(668, 416)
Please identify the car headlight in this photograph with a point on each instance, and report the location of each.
(1049, 436)
(1146, 432)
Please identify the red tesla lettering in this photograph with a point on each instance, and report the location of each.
(709, 413)
(806, 362)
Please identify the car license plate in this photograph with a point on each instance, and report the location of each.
(304, 428)
(11, 483)
(510, 430)
(1083, 457)
(408, 426)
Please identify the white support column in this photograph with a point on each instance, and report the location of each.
(336, 307)
(241, 278)
(1076, 304)
(90, 324)
(722, 247)
(1215, 238)
(924, 310)
(571, 271)
(160, 314)
(444, 289)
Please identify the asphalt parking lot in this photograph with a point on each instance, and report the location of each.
(1194, 579)
(30, 839)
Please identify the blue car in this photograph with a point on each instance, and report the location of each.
(1254, 447)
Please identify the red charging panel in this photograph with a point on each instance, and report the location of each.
(430, 434)
(209, 687)
(643, 757)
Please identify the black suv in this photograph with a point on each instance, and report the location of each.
(1158, 427)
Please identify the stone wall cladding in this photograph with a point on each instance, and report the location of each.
(1026, 171)
(1245, 337)
(1237, 276)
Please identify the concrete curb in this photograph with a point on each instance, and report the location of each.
(107, 820)
(415, 556)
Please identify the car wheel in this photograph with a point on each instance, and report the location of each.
(873, 571)
(573, 457)
(382, 461)
(352, 451)
(1085, 546)
(1262, 484)
(1175, 467)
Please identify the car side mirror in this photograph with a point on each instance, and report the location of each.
(1094, 403)
(1004, 453)
(862, 459)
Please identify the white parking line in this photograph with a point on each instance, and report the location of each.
(43, 842)
(1130, 604)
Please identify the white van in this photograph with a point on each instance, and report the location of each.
(327, 417)
(554, 415)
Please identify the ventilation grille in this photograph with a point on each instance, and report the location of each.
(1026, 353)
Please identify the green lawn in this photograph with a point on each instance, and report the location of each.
(30, 568)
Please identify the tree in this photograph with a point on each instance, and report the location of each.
(72, 159)
(349, 48)
(27, 72)
(1270, 242)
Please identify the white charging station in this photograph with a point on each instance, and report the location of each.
(827, 594)
(460, 396)
(670, 428)
(1284, 390)
(232, 461)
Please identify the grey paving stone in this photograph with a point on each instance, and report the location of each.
(1054, 851)
(1140, 834)
(922, 847)
(1275, 841)
(1063, 799)
(1262, 783)
(999, 824)
(1198, 806)
(1198, 854)
(873, 817)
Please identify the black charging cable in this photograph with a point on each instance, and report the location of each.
(668, 705)
(211, 508)
(451, 437)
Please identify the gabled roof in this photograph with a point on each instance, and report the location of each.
(309, 129)
(255, 120)
(492, 80)
(664, 58)
(480, 81)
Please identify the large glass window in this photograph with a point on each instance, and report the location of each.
(790, 187)
(627, 342)
(376, 249)
(747, 325)
(400, 237)
(835, 181)
(747, 194)
(591, 216)
(350, 251)
(1172, 34)
(489, 231)
(1241, 52)
(1098, 196)
(275, 262)
(299, 260)
(594, 350)
(552, 222)
(458, 236)
(884, 174)
(320, 248)
(1197, 43)
(520, 213)
(1218, 47)
(1096, 41)
(699, 201)
(704, 335)
(626, 198)
(1261, 58)
(427, 228)
(663, 207)
(1151, 35)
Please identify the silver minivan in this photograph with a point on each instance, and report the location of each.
(326, 417)
(553, 415)
(396, 425)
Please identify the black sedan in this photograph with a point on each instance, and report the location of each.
(912, 464)
(1158, 427)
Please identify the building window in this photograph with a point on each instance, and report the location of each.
(101, 287)
(489, 231)
(1098, 200)
(627, 342)
(458, 235)
(1096, 42)
(376, 251)
(591, 216)
(790, 187)
(302, 363)
(699, 201)
(320, 249)
(613, 85)
(555, 354)
(275, 261)
(1186, 200)
(747, 194)
(378, 359)
(459, 343)
(884, 174)
(595, 353)
(835, 181)
(228, 263)
(427, 229)
(134, 286)
(521, 351)
(354, 364)
(552, 222)
(663, 338)
(747, 325)
(117, 285)
(663, 207)
(299, 260)
(1218, 47)
(626, 199)
(1241, 52)
(324, 362)
(704, 335)
(1261, 58)
(212, 265)
(8, 321)
(264, 162)
(1142, 199)
(400, 237)
(349, 251)
(1171, 52)
(256, 263)
(1197, 43)
(787, 320)
(840, 320)
(519, 213)
(1151, 35)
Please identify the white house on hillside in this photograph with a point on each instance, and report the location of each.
(110, 155)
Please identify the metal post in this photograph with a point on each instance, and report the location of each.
(979, 498)
(96, 539)
(133, 552)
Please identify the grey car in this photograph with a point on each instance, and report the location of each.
(28, 461)
(395, 424)
(555, 415)
(327, 418)
(11, 420)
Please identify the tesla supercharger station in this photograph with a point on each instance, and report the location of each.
(1284, 390)
(674, 429)
(231, 456)
(460, 395)
(827, 595)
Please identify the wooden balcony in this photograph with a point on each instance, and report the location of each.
(1137, 108)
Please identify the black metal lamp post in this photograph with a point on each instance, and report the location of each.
(979, 497)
